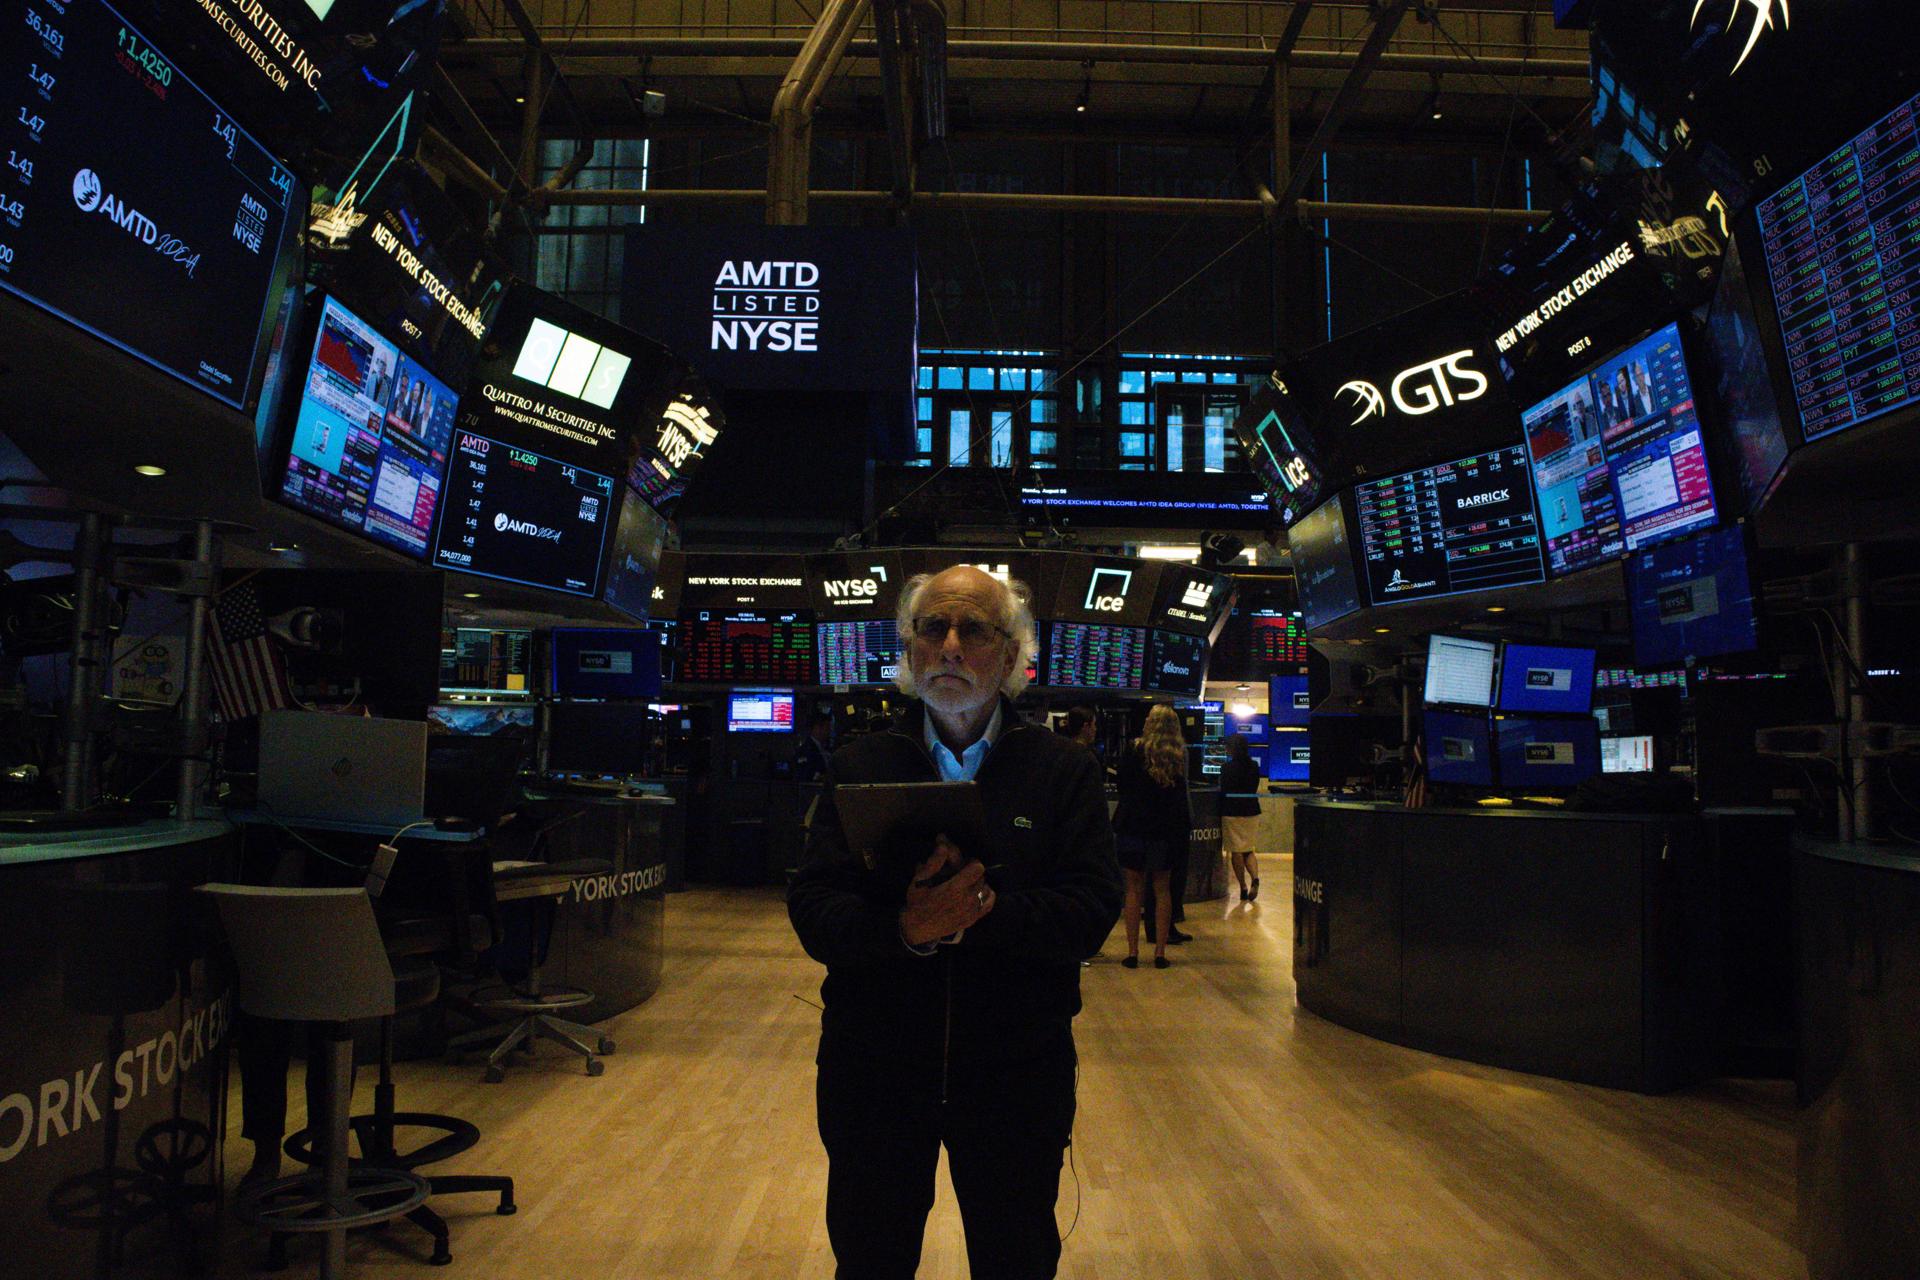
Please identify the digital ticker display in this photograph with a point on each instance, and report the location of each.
(863, 652)
(735, 648)
(1279, 639)
(1461, 526)
(521, 517)
(1842, 246)
(1092, 655)
(131, 204)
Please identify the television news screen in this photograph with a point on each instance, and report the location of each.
(1656, 454)
(1578, 516)
(1289, 756)
(1459, 671)
(1692, 599)
(760, 711)
(1288, 701)
(1323, 564)
(1459, 749)
(635, 563)
(1176, 663)
(864, 652)
(605, 662)
(746, 647)
(1539, 677)
(370, 438)
(1626, 754)
(1544, 752)
(480, 661)
(1839, 243)
(1467, 525)
(522, 517)
(1095, 655)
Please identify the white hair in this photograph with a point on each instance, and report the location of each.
(1015, 617)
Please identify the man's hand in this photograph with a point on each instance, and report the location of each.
(935, 911)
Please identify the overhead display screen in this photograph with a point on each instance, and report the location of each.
(1578, 516)
(760, 711)
(1191, 600)
(521, 517)
(1289, 702)
(370, 439)
(1279, 639)
(864, 652)
(605, 662)
(132, 205)
(1110, 590)
(1280, 454)
(1693, 599)
(1176, 663)
(730, 648)
(1538, 677)
(1656, 456)
(1744, 383)
(855, 584)
(635, 563)
(1323, 564)
(1461, 526)
(1842, 245)
(1095, 656)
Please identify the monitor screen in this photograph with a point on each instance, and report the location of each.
(480, 719)
(1289, 756)
(1288, 701)
(1743, 383)
(635, 563)
(1323, 564)
(1692, 599)
(134, 206)
(1459, 749)
(760, 711)
(370, 439)
(743, 648)
(605, 662)
(1343, 747)
(1627, 678)
(1626, 755)
(1279, 638)
(524, 518)
(1461, 526)
(864, 652)
(600, 739)
(1094, 655)
(1176, 663)
(1253, 728)
(1578, 516)
(1538, 677)
(1547, 752)
(1460, 672)
(1838, 242)
(1656, 455)
(477, 660)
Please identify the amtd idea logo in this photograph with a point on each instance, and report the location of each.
(1450, 380)
(1107, 590)
(504, 523)
(91, 196)
(766, 306)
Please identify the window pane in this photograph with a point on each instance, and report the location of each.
(1002, 438)
(959, 442)
(1042, 443)
(1176, 444)
(949, 378)
(923, 441)
(1216, 443)
(979, 379)
(1038, 463)
(926, 377)
(1038, 380)
(1193, 377)
(1226, 377)
(1044, 410)
(1160, 375)
(1133, 382)
(1133, 413)
(926, 409)
(1013, 379)
(1133, 444)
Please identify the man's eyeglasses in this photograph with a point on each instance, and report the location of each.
(974, 633)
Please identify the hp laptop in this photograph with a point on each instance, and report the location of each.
(342, 768)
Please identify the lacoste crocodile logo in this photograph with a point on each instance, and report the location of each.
(1025, 824)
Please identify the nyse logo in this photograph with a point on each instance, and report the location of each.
(1197, 594)
(856, 590)
(684, 432)
(1107, 590)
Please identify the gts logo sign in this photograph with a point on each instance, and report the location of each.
(1107, 590)
(1482, 499)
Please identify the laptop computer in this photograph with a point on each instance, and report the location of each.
(342, 768)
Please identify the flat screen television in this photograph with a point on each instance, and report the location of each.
(1579, 519)
(1466, 525)
(1459, 748)
(481, 719)
(1838, 245)
(1744, 383)
(1630, 754)
(746, 647)
(484, 662)
(1459, 671)
(1656, 453)
(1278, 638)
(867, 652)
(760, 711)
(1289, 702)
(1692, 599)
(1550, 678)
(604, 662)
(370, 435)
(1323, 564)
(634, 565)
(1095, 655)
(1253, 728)
(523, 517)
(1176, 663)
(1289, 756)
(1538, 751)
(598, 739)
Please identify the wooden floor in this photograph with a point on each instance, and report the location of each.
(1222, 1133)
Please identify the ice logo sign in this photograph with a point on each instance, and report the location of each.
(1762, 19)
(1107, 590)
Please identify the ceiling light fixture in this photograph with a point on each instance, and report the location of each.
(1434, 111)
(1086, 88)
(148, 469)
(1381, 631)
(1496, 608)
(469, 595)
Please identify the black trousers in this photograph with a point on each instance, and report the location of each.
(1004, 1128)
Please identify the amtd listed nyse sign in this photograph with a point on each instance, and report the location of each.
(766, 306)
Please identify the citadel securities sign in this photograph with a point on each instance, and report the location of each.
(779, 308)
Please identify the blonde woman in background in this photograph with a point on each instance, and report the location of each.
(1151, 824)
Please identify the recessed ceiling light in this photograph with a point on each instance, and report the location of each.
(1381, 631)
(282, 548)
(148, 469)
(1496, 608)
(469, 595)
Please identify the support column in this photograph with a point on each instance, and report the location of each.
(76, 791)
(193, 696)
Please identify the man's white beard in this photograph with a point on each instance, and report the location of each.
(952, 697)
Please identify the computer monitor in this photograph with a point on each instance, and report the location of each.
(1290, 756)
(1090, 655)
(1465, 525)
(1459, 671)
(864, 652)
(760, 711)
(1288, 701)
(485, 662)
(605, 662)
(480, 719)
(1539, 677)
(1459, 748)
(601, 739)
(1537, 751)
(1626, 754)
(1342, 748)
(1323, 564)
(1692, 599)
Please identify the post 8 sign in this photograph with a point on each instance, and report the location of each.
(779, 308)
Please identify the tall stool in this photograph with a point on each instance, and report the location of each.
(530, 1008)
(314, 955)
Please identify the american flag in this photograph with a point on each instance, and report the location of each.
(248, 676)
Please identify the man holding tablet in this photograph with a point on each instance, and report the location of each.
(953, 959)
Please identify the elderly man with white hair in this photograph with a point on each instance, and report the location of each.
(950, 992)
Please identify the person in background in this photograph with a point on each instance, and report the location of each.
(1240, 814)
(1151, 826)
(816, 744)
(1081, 725)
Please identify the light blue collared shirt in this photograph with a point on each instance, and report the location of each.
(962, 767)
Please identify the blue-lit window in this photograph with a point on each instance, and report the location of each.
(1013, 379)
(926, 377)
(960, 437)
(1133, 382)
(949, 378)
(1002, 439)
(926, 409)
(1193, 377)
(1133, 444)
(1042, 444)
(980, 378)
(1043, 411)
(1133, 413)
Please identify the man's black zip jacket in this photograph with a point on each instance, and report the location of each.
(1010, 988)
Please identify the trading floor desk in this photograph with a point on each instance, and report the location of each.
(1575, 945)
